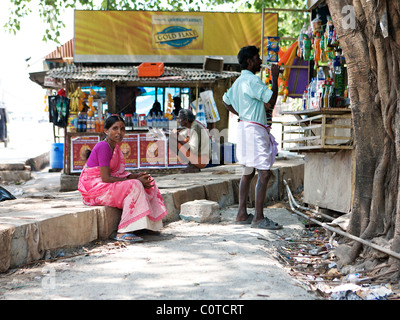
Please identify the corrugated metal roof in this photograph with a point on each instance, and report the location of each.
(75, 72)
(65, 52)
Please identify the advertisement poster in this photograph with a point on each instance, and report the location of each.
(173, 160)
(130, 150)
(168, 37)
(184, 32)
(152, 152)
(79, 145)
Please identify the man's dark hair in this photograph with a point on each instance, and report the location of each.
(246, 53)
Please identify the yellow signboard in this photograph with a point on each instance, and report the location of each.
(174, 37)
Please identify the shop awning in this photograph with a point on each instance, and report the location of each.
(312, 4)
(171, 75)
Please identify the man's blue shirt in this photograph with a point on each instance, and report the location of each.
(247, 96)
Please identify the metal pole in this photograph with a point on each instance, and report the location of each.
(262, 34)
(338, 231)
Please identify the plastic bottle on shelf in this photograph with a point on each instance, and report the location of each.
(79, 126)
(76, 123)
(329, 31)
(313, 91)
(155, 120)
(97, 124)
(101, 124)
(337, 63)
(84, 123)
(301, 40)
(159, 119)
(317, 48)
(93, 124)
(142, 120)
(149, 121)
(128, 122)
(285, 94)
(321, 74)
(89, 124)
(166, 123)
(173, 123)
(324, 96)
(316, 24)
(305, 100)
(331, 96)
(135, 121)
(322, 101)
(307, 48)
(320, 84)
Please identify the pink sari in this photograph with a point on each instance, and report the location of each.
(135, 201)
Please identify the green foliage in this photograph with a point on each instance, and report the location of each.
(290, 23)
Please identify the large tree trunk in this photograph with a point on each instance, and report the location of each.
(373, 55)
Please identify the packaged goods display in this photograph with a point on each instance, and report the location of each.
(318, 47)
(85, 117)
(327, 89)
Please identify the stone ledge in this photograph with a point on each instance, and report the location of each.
(15, 175)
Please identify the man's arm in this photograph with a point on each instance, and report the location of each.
(275, 75)
(230, 108)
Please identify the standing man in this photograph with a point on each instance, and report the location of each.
(250, 99)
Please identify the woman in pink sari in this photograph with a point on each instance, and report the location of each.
(105, 182)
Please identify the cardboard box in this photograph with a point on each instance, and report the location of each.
(213, 64)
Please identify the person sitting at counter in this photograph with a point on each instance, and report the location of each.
(177, 105)
(104, 182)
(193, 142)
(155, 109)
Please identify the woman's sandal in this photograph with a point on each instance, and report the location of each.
(267, 224)
(122, 238)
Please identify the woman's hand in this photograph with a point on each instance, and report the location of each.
(146, 180)
(143, 177)
(134, 175)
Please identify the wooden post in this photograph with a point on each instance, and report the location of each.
(111, 97)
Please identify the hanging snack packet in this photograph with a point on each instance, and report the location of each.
(273, 49)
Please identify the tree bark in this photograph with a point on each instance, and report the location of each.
(372, 55)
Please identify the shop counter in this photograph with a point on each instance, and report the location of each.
(324, 129)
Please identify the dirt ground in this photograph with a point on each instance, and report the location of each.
(190, 261)
(186, 261)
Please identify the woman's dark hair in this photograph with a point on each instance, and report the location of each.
(246, 53)
(111, 120)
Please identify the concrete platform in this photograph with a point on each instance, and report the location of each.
(31, 226)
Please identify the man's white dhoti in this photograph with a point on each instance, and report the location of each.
(256, 146)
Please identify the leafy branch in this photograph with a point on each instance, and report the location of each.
(290, 23)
